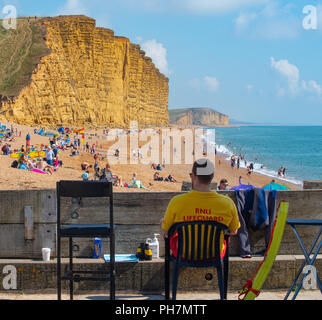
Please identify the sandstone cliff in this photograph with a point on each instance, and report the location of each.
(90, 78)
(197, 117)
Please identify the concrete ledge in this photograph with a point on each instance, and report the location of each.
(148, 277)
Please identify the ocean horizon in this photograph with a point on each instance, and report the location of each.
(270, 147)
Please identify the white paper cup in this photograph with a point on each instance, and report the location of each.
(46, 254)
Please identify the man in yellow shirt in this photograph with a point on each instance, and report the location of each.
(202, 204)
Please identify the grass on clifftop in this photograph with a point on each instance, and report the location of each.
(20, 53)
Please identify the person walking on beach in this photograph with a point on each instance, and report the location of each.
(28, 138)
(284, 170)
(279, 173)
(191, 206)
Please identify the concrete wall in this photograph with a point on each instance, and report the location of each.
(315, 184)
(148, 277)
(28, 221)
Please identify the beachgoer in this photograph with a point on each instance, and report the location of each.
(28, 138)
(85, 176)
(118, 181)
(55, 150)
(284, 170)
(49, 156)
(140, 156)
(170, 179)
(223, 185)
(22, 159)
(31, 164)
(97, 175)
(202, 204)
(279, 172)
(41, 165)
(156, 177)
(85, 166)
(133, 181)
(56, 164)
(240, 180)
(107, 174)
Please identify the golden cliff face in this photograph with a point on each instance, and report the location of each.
(91, 78)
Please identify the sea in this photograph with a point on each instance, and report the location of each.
(296, 148)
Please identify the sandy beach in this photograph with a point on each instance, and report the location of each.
(15, 179)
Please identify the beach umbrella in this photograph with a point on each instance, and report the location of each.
(276, 186)
(242, 187)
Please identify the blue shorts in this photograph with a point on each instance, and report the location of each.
(50, 162)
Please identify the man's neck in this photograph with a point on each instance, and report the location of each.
(202, 188)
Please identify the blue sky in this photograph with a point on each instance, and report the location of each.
(253, 60)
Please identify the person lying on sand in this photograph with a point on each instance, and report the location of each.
(32, 164)
(41, 165)
(49, 169)
(170, 179)
(156, 177)
(137, 184)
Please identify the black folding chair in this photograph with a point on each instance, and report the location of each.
(78, 190)
(206, 235)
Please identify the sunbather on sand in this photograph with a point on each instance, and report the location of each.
(156, 177)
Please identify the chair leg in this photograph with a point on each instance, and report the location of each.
(221, 283)
(71, 282)
(175, 281)
(167, 279)
(112, 267)
(58, 269)
(226, 268)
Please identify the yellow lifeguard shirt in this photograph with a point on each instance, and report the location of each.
(202, 206)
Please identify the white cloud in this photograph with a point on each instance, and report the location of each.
(289, 71)
(292, 75)
(158, 53)
(312, 86)
(212, 83)
(73, 7)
